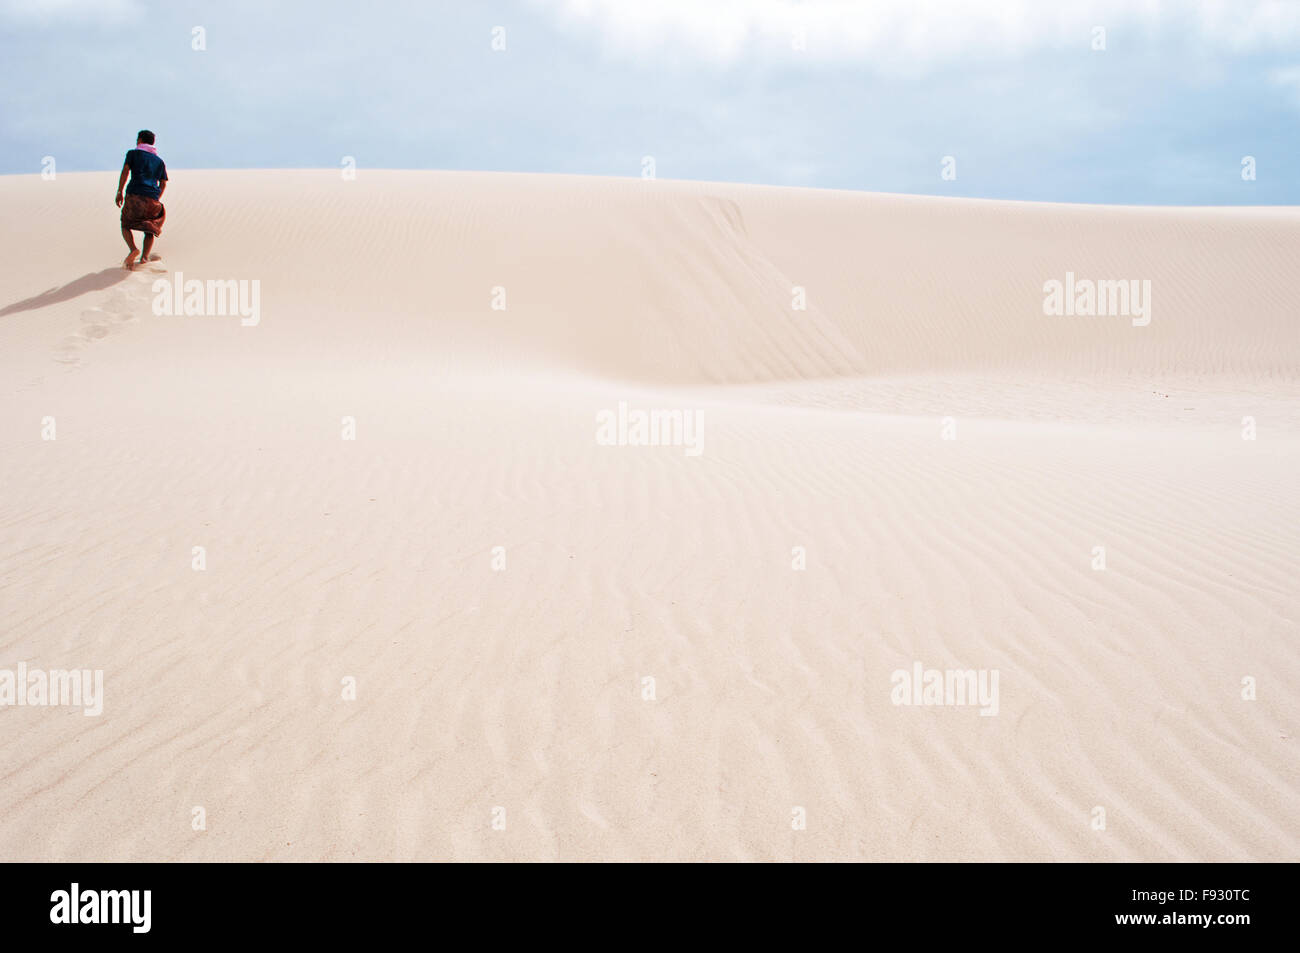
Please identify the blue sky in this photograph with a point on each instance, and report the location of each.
(712, 89)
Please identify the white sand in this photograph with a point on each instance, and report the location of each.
(476, 428)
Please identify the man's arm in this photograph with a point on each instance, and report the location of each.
(121, 182)
(162, 187)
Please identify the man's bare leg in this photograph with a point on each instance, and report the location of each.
(130, 243)
(148, 245)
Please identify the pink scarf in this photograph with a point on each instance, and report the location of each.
(145, 147)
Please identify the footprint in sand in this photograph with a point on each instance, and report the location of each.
(123, 305)
(153, 266)
(69, 351)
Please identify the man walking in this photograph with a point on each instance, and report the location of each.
(142, 210)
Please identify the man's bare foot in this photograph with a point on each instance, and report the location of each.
(129, 261)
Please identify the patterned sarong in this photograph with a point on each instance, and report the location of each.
(143, 214)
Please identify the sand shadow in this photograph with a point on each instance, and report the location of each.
(95, 281)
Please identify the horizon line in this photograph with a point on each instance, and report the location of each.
(683, 181)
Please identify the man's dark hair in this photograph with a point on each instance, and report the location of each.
(145, 136)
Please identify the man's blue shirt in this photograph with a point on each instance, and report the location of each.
(147, 171)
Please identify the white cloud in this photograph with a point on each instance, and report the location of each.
(914, 34)
(1288, 78)
(76, 12)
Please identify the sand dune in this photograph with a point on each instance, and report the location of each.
(510, 683)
